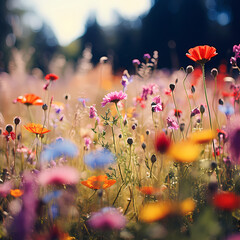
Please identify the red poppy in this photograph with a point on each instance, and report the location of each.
(51, 77)
(162, 142)
(9, 135)
(30, 99)
(98, 182)
(201, 54)
(227, 201)
(149, 190)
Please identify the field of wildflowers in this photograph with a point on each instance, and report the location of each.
(152, 156)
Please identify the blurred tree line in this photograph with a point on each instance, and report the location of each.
(170, 27)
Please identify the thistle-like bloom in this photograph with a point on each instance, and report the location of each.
(98, 182)
(92, 111)
(58, 176)
(172, 124)
(36, 128)
(201, 54)
(107, 218)
(30, 99)
(51, 77)
(114, 97)
(99, 159)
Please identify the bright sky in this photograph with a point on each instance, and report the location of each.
(68, 17)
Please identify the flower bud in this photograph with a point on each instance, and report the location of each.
(202, 109)
(220, 101)
(153, 158)
(214, 72)
(44, 107)
(189, 69)
(172, 87)
(16, 120)
(9, 128)
(130, 141)
(147, 132)
(144, 146)
(120, 135)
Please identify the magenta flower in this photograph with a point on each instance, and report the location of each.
(195, 111)
(114, 97)
(107, 219)
(158, 107)
(5, 188)
(148, 90)
(59, 175)
(172, 124)
(87, 142)
(92, 111)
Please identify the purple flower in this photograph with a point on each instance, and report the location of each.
(136, 62)
(148, 90)
(114, 97)
(158, 107)
(126, 79)
(235, 236)
(172, 124)
(195, 111)
(92, 111)
(107, 219)
(236, 50)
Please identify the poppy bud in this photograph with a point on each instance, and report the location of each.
(220, 101)
(182, 126)
(9, 128)
(120, 135)
(133, 127)
(147, 132)
(202, 109)
(153, 158)
(189, 69)
(213, 165)
(214, 72)
(130, 141)
(16, 120)
(143, 146)
(193, 89)
(44, 107)
(172, 87)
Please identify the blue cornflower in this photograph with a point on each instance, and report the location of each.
(227, 108)
(60, 147)
(99, 159)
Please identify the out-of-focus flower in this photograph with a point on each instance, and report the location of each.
(87, 142)
(201, 54)
(195, 111)
(36, 128)
(158, 106)
(107, 218)
(226, 108)
(99, 159)
(177, 113)
(114, 97)
(9, 135)
(52, 195)
(184, 151)
(30, 99)
(149, 190)
(51, 77)
(126, 79)
(227, 201)
(235, 236)
(148, 90)
(5, 188)
(83, 101)
(61, 147)
(92, 111)
(162, 142)
(16, 192)
(58, 176)
(172, 124)
(98, 182)
(204, 136)
(236, 50)
(187, 206)
(136, 62)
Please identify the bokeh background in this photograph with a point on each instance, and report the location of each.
(122, 30)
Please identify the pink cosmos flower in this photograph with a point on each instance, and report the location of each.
(172, 124)
(114, 97)
(92, 111)
(107, 219)
(59, 175)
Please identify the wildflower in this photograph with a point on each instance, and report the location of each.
(51, 77)
(149, 190)
(236, 50)
(16, 120)
(202, 137)
(227, 201)
(99, 159)
(162, 142)
(195, 111)
(61, 147)
(36, 128)
(9, 135)
(177, 113)
(87, 142)
(201, 54)
(58, 176)
(172, 124)
(157, 105)
(114, 97)
(92, 111)
(146, 56)
(16, 192)
(126, 79)
(30, 99)
(98, 182)
(5, 188)
(148, 90)
(136, 62)
(187, 206)
(185, 151)
(227, 108)
(107, 218)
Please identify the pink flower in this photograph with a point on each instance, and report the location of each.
(5, 188)
(59, 175)
(92, 111)
(114, 97)
(172, 124)
(87, 142)
(107, 219)
(159, 106)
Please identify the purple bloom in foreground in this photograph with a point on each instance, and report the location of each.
(92, 111)
(172, 124)
(107, 219)
(114, 97)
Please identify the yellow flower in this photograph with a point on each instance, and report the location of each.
(185, 151)
(187, 206)
(154, 211)
(203, 136)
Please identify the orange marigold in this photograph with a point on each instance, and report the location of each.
(16, 192)
(201, 54)
(36, 128)
(98, 182)
(30, 99)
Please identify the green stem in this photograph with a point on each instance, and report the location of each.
(30, 114)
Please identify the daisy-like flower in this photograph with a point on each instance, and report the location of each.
(51, 77)
(107, 218)
(36, 128)
(30, 99)
(114, 97)
(58, 176)
(98, 182)
(201, 54)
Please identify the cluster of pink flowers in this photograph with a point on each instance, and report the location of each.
(172, 124)
(236, 50)
(148, 90)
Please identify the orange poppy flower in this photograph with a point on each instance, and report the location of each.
(30, 99)
(98, 182)
(201, 54)
(16, 192)
(51, 77)
(36, 128)
(149, 190)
